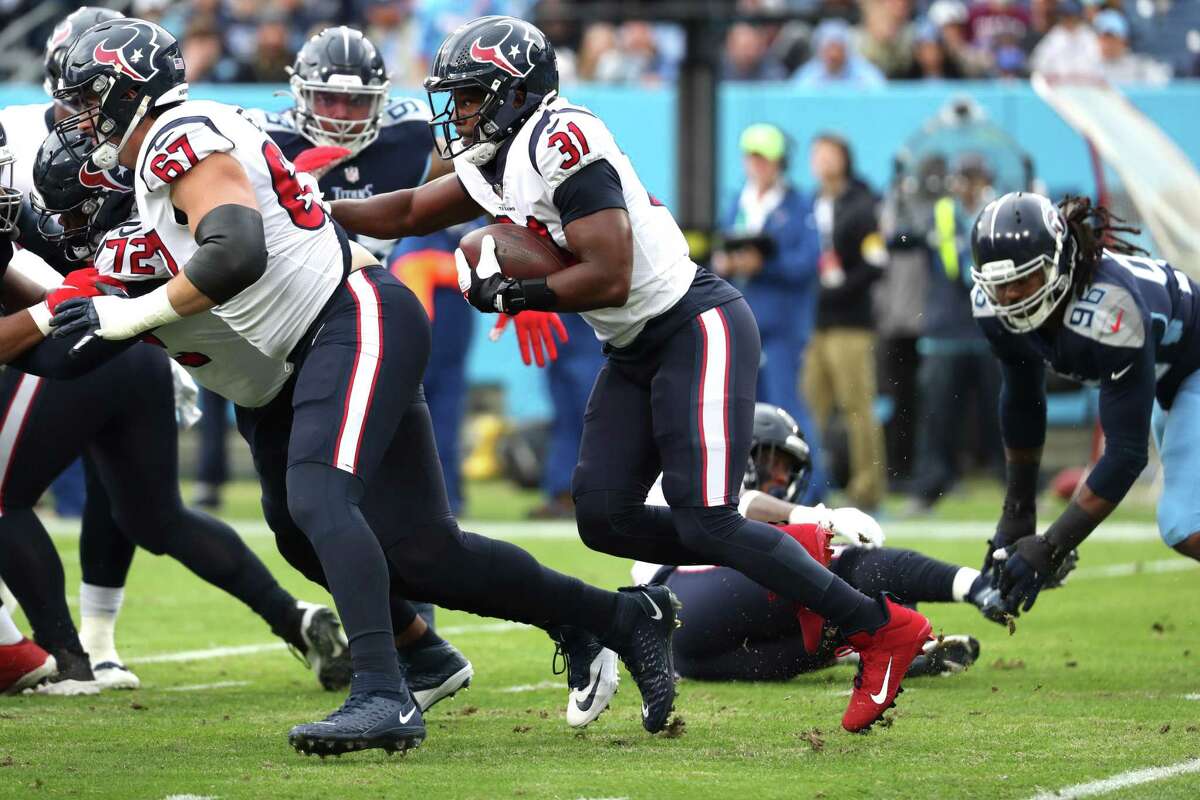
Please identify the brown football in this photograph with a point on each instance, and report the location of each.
(521, 251)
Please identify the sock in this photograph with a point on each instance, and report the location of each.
(8, 629)
(851, 610)
(98, 610)
(427, 639)
(964, 584)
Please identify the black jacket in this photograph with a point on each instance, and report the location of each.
(855, 237)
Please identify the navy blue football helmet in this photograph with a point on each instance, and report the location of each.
(339, 64)
(499, 56)
(65, 34)
(777, 434)
(112, 76)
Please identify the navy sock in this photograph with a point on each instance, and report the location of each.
(912, 577)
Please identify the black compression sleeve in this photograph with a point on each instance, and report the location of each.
(232, 254)
(594, 188)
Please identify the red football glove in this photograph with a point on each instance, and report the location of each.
(318, 160)
(84, 283)
(535, 330)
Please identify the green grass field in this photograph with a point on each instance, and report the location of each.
(1102, 678)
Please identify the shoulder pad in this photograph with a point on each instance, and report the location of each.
(272, 121)
(980, 307)
(1108, 314)
(406, 109)
(565, 140)
(180, 143)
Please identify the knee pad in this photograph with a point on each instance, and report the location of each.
(320, 497)
(604, 514)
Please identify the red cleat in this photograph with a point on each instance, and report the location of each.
(884, 659)
(23, 665)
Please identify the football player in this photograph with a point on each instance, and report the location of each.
(1056, 286)
(346, 448)
(676, 395)
(738, 630)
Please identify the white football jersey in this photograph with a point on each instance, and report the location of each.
(26, 129)
(555, 143)
(305, 262)
(203, 344)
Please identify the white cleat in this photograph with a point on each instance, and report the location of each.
(67, 687)
(327, 652)
(112, 675)
(587, 702)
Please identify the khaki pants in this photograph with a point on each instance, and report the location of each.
(839, 373)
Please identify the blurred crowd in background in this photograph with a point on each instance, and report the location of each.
(811, 42)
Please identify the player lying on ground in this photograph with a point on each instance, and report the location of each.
(738, 630)
(676, 395)
(1056, 287)
(344, 451)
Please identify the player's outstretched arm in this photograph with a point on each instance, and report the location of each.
(427, 208)
(218, 200)
(603, 243)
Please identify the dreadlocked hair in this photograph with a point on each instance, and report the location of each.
(1094, 229)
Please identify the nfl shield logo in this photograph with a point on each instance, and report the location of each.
(352, 174)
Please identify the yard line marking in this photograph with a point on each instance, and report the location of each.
(1122, 780)
(266, 647)
(1135, 568)
(203, 687)
(936, 530)
(1193, 696)
(530, 687)
(190, 797)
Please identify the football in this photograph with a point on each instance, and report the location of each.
(522, 252)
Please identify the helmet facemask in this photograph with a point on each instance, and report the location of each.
(766, 460)
(10, 198)
(71, 229)
(353, 134)
(100, 104)
(1029, 313)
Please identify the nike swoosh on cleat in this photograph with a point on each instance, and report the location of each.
(591, 696)
(404, 718)
(657, 611)
(878, 698)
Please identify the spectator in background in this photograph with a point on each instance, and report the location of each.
(437, 19)
(995, 23)
(636, 59)
(931, 61)
(1011, 63)
(1070, 49)
(956, 361)
(950, 19)
(1117, 63)
(885, 37)
(746, 57)
(205, 56)
(273, 52)
(598, 39)
(390, 25)
(770, 252)
(839, 370)
(835, 62)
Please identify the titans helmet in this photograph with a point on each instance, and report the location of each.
(339, 67)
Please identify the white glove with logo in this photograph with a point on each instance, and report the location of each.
(852, 527)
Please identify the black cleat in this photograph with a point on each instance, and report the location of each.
(435, 673)
(363, 722)
(592, 675)
(647, 653)
(945, 655)
(74, 675)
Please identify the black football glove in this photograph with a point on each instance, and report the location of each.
(1027, 567)
(1011, 528)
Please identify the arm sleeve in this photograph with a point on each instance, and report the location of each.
(1022, 403)
(232, 254)
(593, 188)
(1126, 401)
(51, 358)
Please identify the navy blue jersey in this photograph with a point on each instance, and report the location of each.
(1134, 332)
(397, 159)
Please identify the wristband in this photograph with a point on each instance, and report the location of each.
(748, 498)
(123, 318)
(531, 294)
(41, 317)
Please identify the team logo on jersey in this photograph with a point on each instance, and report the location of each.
(125, 51)
(508, 55)
(94, 178)
(351, 174)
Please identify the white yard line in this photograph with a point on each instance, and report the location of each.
(266, 647)
(1123, 780)
(204, 687)
(530, 687)
(1134, 568)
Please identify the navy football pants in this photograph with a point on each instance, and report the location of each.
(686, 409)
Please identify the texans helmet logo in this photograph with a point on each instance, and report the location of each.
(62, 33)
(511, 58)
(126, 50)
(94, 178)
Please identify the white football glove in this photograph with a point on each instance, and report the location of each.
(852, 527)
